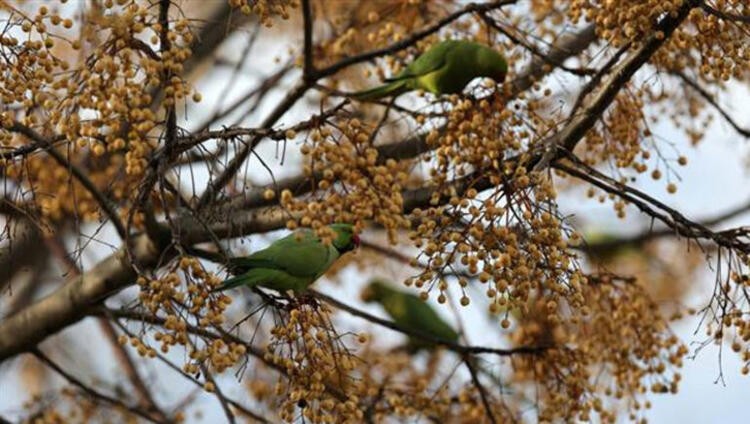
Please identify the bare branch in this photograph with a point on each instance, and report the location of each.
(710, 99)
(663, 232)
(725, 16)
(480, 388)
(532, 48)
(76, 382)
(670, 217)
(308, 70)
(39, 141)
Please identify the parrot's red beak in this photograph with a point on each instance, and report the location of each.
(356, 240)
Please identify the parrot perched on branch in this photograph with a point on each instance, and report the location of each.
(444, 68)
(410, 312)
(291, 263)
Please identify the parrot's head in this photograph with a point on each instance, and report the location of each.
(492, 64)
(346, 239)
(375, 291)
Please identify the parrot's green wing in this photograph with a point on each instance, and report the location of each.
(290, 263)
(430, 61)
(412, 313)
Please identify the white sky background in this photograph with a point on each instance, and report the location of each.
(715, 180)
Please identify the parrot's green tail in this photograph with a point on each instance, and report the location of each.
(392, 89)
(239, 280)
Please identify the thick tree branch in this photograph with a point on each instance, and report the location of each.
(67, 305)
(572, 133)
(308, 70)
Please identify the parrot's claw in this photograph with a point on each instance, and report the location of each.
(301, 300)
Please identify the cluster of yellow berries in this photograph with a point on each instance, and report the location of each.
(99, 110)
(184, 295)
(354, 185)
(513, 259)
(265, 10)
(318, 366)
(603, 358)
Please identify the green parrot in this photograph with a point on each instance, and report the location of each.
(410, 312)
(604, 248)
(444, 68)
(291, 263)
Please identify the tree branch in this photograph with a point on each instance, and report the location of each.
(190, 378)
(308, 70)
(725, 16)
(668, 216)
(76, 382)
(710, 99)
(480, 388)
(67, 305)
(47, 144)
(572, 133)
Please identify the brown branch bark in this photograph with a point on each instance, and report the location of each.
(23, 238)
(67, 305)
(572, 133)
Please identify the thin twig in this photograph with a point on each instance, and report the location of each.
(190, 378)
(710, 99)
(480, 388)
(725, 16)
(648, 205)
(76, 382)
